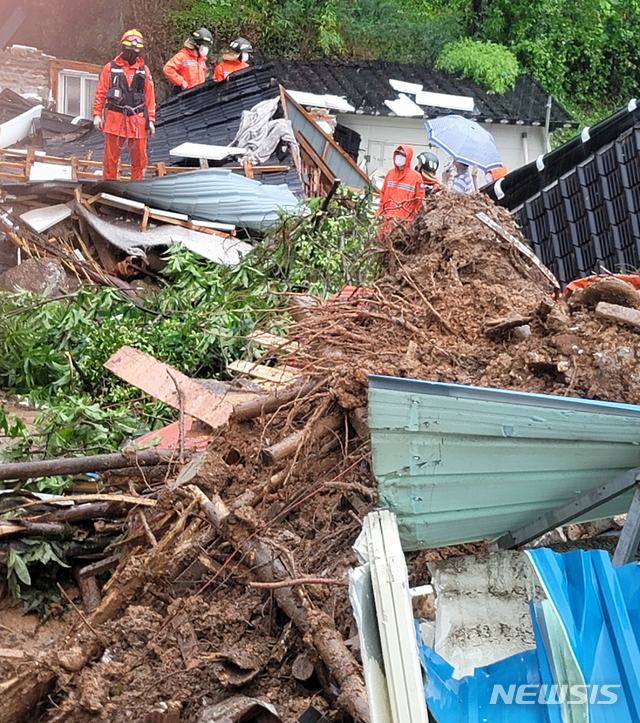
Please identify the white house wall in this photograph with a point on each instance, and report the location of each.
(382, 134)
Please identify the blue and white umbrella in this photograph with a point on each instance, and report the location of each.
(464, 140)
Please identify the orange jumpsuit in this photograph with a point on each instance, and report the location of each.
(225, 67)
(402, 191)
(120, 128)
(186, 65)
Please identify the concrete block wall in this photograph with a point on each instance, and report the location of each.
(26, 70)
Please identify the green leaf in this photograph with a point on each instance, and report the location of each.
(17, 565)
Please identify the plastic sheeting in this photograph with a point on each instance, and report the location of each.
(212, 195)
(219, 249)
(586, 666)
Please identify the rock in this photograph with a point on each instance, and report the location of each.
(545, 307)
(611, 290)
(558, 318)
(73, 659)
(521, 333)
(46, 277)
(566, 343)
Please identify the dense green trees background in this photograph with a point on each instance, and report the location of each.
(585, 52)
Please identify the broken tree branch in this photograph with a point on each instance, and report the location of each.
(318, 628)
(78, 465)
(272, 402)
(298, 581)
(289, 445)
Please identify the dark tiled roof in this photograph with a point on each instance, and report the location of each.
(365, 84)
(587, 213)
(209, 113)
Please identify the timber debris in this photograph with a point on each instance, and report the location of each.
(223, 577)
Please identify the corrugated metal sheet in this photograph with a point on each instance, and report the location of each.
(214, 194)
(587, 635)
(458, 464)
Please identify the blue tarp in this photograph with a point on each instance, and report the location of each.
(587, 652)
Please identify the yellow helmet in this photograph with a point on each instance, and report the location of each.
(132, 39)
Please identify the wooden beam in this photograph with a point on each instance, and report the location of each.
(621, 314)
(279, 375)
(272, 341)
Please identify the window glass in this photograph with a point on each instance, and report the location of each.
(90, 85)
(71, 99)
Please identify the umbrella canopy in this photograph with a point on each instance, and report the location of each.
(464, 140)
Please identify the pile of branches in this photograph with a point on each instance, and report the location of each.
(232, 576)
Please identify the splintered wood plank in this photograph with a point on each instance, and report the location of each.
(155, 378)
(272, 341)
(260, 371)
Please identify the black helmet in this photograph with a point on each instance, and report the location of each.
(202, 37)
(427, 162)
(240, 45)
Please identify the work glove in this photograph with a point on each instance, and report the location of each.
(97, 122)
(152, 129)
(184, 85)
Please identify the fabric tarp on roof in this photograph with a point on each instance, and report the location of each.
(214, 194)
(587, 635)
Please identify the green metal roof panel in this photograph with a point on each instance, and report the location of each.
(458, 464)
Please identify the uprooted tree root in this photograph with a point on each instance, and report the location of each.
(182, 619)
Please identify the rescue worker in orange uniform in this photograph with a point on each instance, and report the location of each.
(188, 67)
(403, 188)
(124, 107)
(236, 58)
(427, 164)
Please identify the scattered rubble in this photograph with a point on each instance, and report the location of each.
(228, 576)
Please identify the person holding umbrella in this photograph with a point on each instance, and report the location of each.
(462, 181)
(468, 144)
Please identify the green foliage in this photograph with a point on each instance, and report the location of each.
(402, 31)
(198, 322)
(489, 64)
(585, 52)
(39, 553)
(348, 29)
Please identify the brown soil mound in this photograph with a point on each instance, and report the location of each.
(457, 304)
(452, 308)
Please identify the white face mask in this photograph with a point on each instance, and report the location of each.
(400, 160)
(204, 51)
(244, 57)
